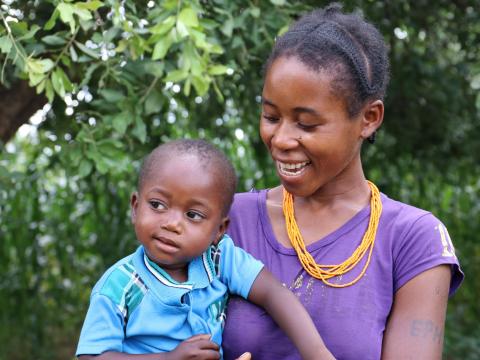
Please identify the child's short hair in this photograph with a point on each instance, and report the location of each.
(206, 152)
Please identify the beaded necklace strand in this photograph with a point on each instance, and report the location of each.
(325, 272)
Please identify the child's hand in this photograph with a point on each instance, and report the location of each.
(198, 347)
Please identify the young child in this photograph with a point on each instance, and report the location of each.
(168, 298)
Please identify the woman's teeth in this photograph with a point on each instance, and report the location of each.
(292, 168)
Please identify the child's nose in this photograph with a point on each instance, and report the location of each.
(172, 222)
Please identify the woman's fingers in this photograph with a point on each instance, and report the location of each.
(245, 356)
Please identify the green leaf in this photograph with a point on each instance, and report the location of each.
(121, 121)
(67, 85)
(54, 40)
(218, 70)
(66, 61)
(181, 29)
(73, 54)
(5, 44)
(30, 34)
(176, 75)
(140, 130)
(90, 5)
(110, 34)
(40, 66)
(255, 11)
(75, 154)
(200, 84)
(41, 86)
(51, 22)
(154, 68)
(154, 102)
(163, 27)
(49, 90)
(112, 96)
(227, 27)
(66, 14)
(110, 147)
(83, 14)
(100, 162)
(87, 51)
(216, 49)
(278, 2)
(85, 168)
(188, 17)
(161, 48)
(89, 73)
(187, 87)
(57, 83)
(35, 78)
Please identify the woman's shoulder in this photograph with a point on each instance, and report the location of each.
(404, 215)
(247, 200)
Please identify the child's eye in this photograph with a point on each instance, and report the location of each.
(195, 215)
(158, 205)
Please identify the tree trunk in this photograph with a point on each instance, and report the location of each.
(17, 104)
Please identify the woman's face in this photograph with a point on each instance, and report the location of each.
(306, 128)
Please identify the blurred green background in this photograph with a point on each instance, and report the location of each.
(113, 79)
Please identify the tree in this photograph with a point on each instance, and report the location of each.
(124, 76)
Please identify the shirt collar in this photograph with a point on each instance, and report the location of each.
(201, 271)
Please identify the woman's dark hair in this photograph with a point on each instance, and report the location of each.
(344, 45)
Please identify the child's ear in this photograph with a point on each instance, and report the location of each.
(133, 206)
(222, 229)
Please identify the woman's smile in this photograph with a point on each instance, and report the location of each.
(292, 169)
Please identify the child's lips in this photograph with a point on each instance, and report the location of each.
(166, 244)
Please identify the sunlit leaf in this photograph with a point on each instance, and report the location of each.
(140, 130)
(54, 40)
(161, 48)
(5, 44)
(188, 17)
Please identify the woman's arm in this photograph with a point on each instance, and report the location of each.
(416, 323)
(289, 314)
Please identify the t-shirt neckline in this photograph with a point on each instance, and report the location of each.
(328, 239)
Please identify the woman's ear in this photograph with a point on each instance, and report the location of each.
(372, 118)
(222, 229)
(133, 206)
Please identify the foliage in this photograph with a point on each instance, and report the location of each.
(124, 76)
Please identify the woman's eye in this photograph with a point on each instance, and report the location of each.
(306, 126)
(158, 205)
(195, 215)
(270, 118)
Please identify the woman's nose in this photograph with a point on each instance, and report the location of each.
(284, 136)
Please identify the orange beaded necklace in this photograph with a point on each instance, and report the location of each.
(325, 272)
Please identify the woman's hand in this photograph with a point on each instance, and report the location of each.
(245, 356)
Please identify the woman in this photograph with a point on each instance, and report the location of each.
(395, 264)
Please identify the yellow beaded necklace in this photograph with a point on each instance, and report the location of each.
(325, 272)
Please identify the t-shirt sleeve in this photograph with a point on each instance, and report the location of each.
(103, 327)
(238, 269)
(422, 245)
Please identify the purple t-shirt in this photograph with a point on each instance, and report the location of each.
(350, 320)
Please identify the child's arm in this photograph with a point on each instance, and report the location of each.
(289, 314)
(197, 347)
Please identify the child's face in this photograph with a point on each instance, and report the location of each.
(178, 212)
